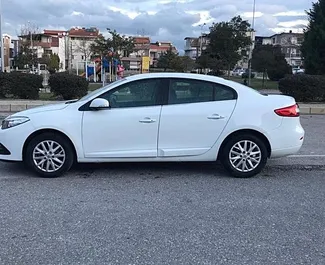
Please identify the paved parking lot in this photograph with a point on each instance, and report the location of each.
(168, 213)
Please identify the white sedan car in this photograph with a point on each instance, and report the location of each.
(156, 118)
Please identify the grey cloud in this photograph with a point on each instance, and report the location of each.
(170, 23)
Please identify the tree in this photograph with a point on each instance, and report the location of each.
(27, 55)
(52, 61)
(84, 46)
(227, 40)
(263, 59)
(206, 60)
(280, 68)
(116, 43)
(187, 63)
(168, 60)
(270, 59)
(313, 48)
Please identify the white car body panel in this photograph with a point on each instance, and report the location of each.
(192, 129)
(167, 138)
(129, 132)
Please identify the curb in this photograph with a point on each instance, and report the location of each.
(12, 108)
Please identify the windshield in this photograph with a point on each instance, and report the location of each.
(99, 90)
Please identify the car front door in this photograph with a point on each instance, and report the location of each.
(129, 128)
(194, 117)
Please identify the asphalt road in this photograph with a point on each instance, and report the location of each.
(168, 213)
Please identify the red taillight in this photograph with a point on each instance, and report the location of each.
(291, 111)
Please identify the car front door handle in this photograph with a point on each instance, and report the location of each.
(147, 120)
(215, 117)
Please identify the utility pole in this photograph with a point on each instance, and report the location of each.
(70, 63)
(2, 48)
(199, 50)
(251, 48)
(201, 37)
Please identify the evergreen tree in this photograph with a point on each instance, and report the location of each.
(313, 46)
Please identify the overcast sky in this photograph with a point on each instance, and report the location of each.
(163, 20)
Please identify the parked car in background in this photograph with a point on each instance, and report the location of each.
(157, 117)
(239, 71)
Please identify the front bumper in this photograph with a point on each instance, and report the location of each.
(13, 140)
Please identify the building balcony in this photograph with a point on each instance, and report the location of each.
(42, 44)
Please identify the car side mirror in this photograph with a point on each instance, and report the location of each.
(99, 103)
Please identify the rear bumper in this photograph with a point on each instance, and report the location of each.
(287, 139)
(285, 152)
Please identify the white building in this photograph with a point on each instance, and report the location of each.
(72, 46)
(290, 44)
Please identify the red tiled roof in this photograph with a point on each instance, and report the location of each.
(53, 32)
(82, 32)
(141, 40)
(161, 48)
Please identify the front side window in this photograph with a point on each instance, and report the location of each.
(139, 93)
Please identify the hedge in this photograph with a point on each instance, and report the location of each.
(304, 88)
(68, 86)
(20, 85)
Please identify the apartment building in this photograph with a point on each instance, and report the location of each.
(290, 44)
(143, 47)
(11, 48)
(72, 46)
(194, 46)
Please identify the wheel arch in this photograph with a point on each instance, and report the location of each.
(248, 131)
(41, 131)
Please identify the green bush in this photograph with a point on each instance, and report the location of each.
(20, 85)
(68, 86)
(304, 88)
(25, 86)
(279, 71)
(4, 85)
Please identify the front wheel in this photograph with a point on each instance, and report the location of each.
(244, 156)
(49, 155)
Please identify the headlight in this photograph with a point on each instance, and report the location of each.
(13, 121)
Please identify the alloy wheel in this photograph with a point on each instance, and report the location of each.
(49, 156)
(245, 156)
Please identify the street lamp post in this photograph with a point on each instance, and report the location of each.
(201, 37)
(201, 40)
(2, 48)
(251, 49)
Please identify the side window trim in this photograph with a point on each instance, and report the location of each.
(215, 88)
(159, 95)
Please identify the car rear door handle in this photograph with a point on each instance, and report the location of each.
(215, 117)
(147, 120)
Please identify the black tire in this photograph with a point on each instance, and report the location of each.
(228, 165)
(66, 162)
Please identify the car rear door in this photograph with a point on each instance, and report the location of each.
(194, 117)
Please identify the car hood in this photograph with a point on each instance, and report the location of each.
(49, 107)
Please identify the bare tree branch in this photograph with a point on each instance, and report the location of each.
(84, 46)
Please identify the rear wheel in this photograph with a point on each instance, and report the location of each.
(49, 155)
(244, 156)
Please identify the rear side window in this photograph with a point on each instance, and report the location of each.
(223, 92)
(182, 91)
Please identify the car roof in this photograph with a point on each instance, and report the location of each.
(240, 88)
(176, 75)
